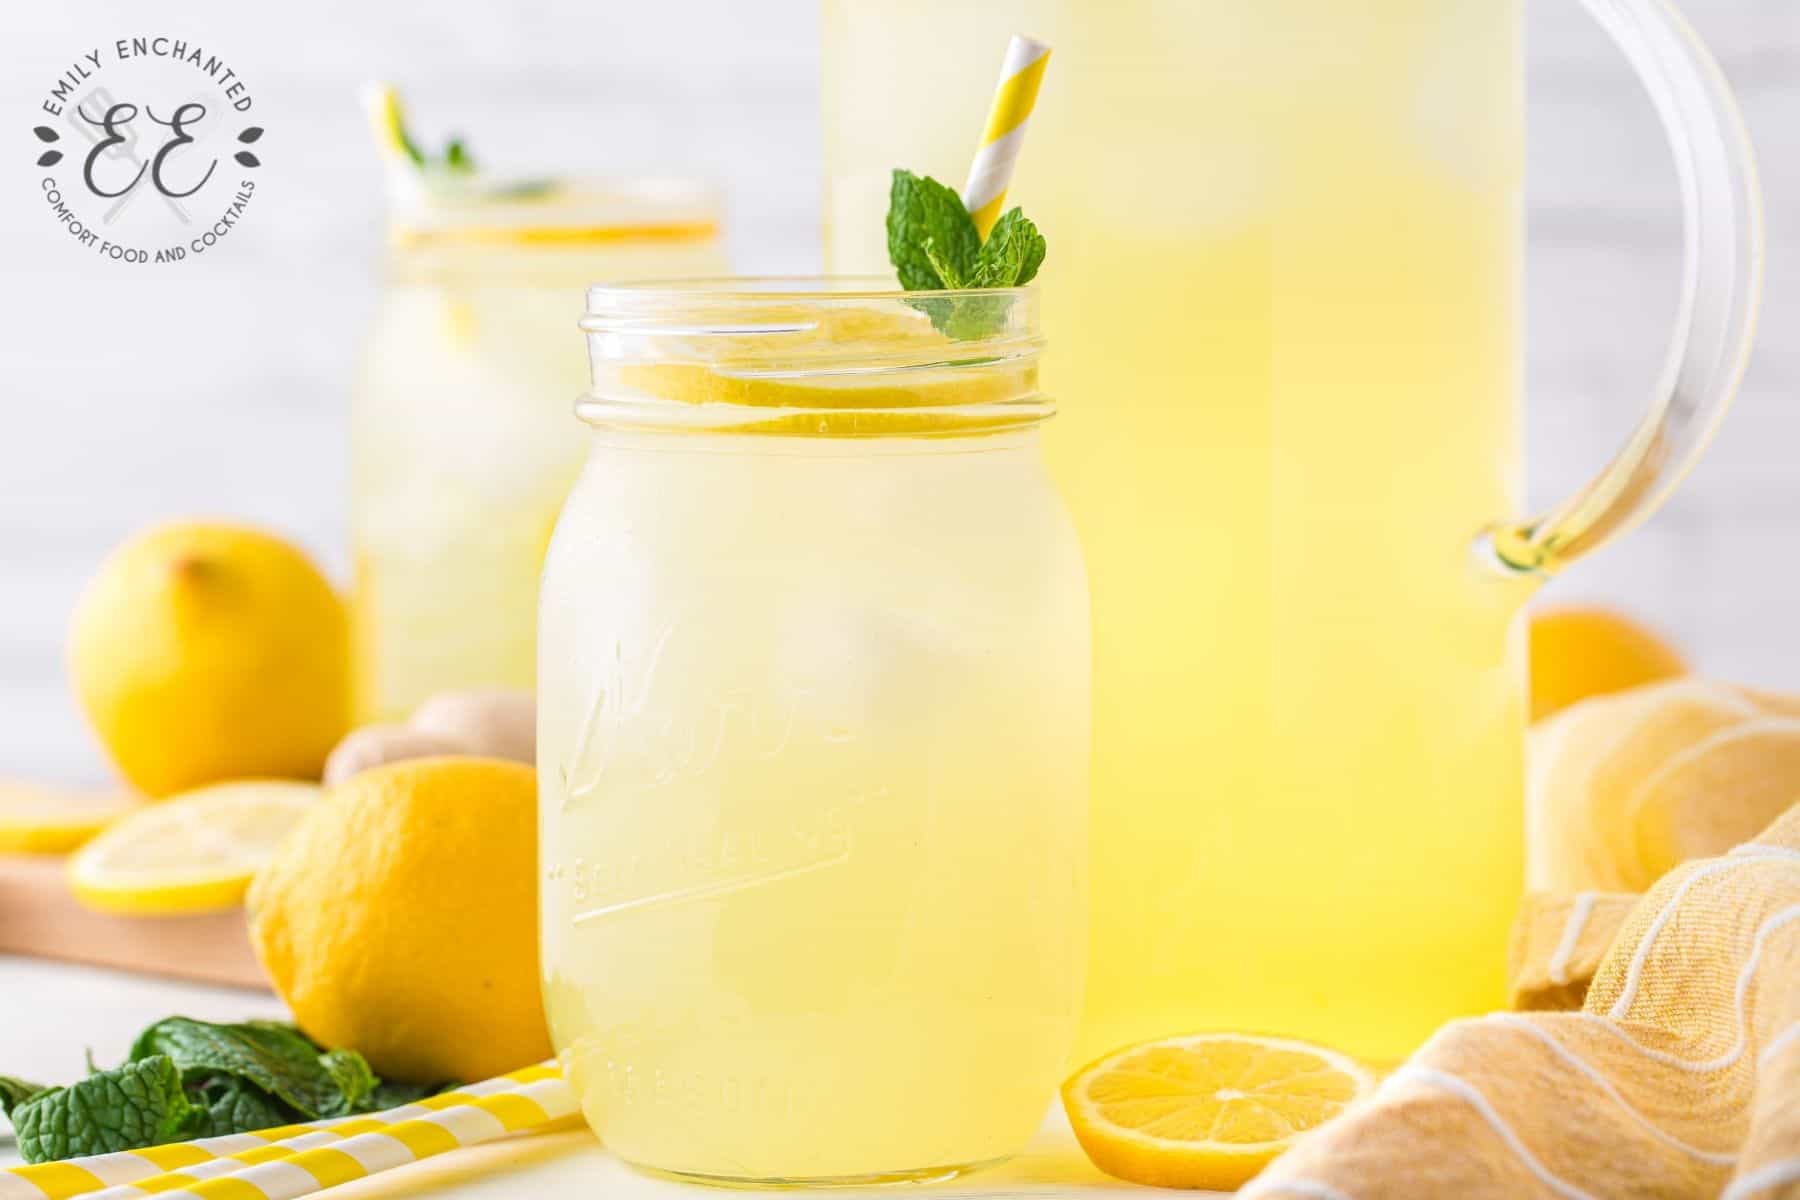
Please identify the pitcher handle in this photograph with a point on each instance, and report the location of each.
(1720, 295)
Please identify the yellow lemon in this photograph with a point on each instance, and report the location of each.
(192, 853)
(203, 653)
(1579, 653)
(400, 919)
(1207, 1110)
(38, 819)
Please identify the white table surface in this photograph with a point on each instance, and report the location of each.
(50, 1013)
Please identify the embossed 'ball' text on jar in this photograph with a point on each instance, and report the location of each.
(813, 735)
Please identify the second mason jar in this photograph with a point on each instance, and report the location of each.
(463, 446)
(813, 735)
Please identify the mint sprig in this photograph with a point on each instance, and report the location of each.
(932, 240)
(455, 160)
(187, 1079)
(277, 1059)
(15, 1092)
(934, 246)
(1012, 254)
(139, 1104)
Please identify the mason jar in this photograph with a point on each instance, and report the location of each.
(813, 735)
(462, 445)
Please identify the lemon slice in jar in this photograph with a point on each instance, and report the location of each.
(938, 396)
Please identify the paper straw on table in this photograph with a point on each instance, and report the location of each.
(296, 1160)
(992, 171)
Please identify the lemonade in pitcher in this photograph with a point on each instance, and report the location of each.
(1285, 275)
(1291, 276)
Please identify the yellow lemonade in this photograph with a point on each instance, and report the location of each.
(813, 738)
(463, 443)
(1283, 277)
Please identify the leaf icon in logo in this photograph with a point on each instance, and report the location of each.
(250, 134)
(45, 133)
(247, 159)
(49, 158)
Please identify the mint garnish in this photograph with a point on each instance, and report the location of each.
(355, 1081)
(277, 1059)
(455, 160)
(187, 1079)
(1012, 254)
(934, 246)
(138, 1104)
(14, 1092)
(235, 1106)
(932, 240)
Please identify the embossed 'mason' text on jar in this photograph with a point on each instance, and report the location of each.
(813, 705)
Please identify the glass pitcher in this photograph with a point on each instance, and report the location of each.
(1284, 275)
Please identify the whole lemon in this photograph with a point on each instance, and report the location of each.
(1581, 652)
(209, 652)
(400, 919)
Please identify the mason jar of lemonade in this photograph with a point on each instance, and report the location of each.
(462, 443)
(813, 723)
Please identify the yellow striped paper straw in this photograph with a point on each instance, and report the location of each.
(992, 171)
(296, 1160)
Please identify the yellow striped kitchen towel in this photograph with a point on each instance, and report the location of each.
(1679, 1077)
(1558, 945)
(1624, 788)
(295, 1160)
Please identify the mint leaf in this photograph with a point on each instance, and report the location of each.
(946, 271)
(975, 318)
(350, 1072)
(14, 1092)
(277, 1058)
(928, 228)
(139, 1104)
(392, 1095)
(231, 1105)
(1012, 254)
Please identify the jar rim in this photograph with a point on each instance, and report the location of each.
(555, 210)
(774, 289)
(812, 355)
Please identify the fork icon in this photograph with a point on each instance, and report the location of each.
(125, 148)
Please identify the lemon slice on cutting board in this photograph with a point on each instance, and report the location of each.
(39, 819)
(191, 853)
(1208, 1110)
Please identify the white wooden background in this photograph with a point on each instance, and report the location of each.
(220, 387)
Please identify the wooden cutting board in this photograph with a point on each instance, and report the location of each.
(39, 918)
